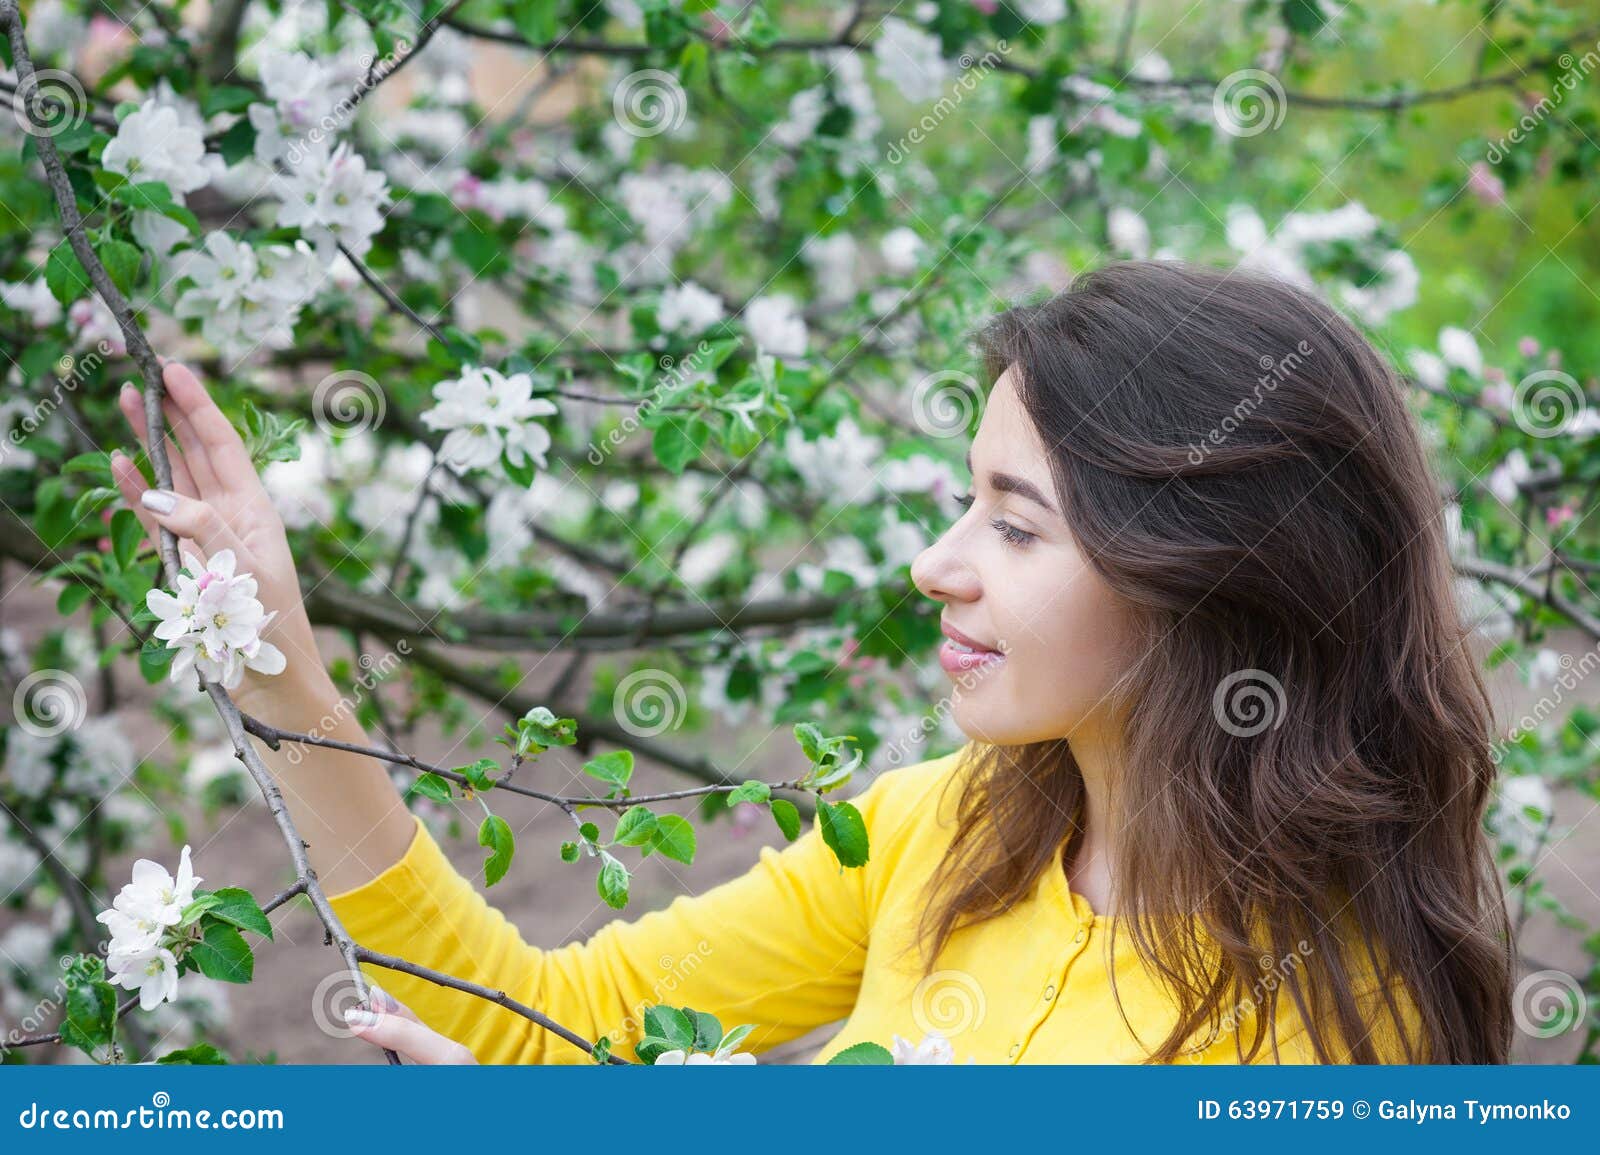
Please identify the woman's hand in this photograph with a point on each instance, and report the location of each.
(218, 502)
(391, 1024)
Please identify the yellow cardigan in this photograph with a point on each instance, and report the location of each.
(796, 943)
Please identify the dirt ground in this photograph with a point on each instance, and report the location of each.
(278, 1014)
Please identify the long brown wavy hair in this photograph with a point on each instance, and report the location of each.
(1307, 736)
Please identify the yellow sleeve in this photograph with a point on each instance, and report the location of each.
(781, 947)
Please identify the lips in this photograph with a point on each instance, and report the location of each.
(961, 652)
(965, 641)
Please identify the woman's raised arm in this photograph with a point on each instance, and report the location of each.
(344, 805)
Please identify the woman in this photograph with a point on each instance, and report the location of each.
(1229, 757)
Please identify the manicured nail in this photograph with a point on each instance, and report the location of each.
(158, 501)
(382, 998)
(359, 1017)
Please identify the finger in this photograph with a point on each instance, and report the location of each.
(131, 401)
(224, 448)
(416, 1042)
(196, 520)
(131, 485)
(194, 450)
(383, 1001)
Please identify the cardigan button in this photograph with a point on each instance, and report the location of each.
(1049, 992)
(1078, 937)
(1015, 1047)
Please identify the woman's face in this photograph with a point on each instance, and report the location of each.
(1050, 638)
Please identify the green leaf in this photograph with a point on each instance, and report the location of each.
(240, 908)
(429, 785)
(91, 1015)
(612, 882)
(540, 729)
(227, 98)
(200, 1054)
(674, 837)
(636, 827)
(126, 534)
(751, 791)
(707, 1030)
(64, 275)
(787, 815)
(72, 598)
(92, 501)
(223, 955)
(479, 773)
(733, 1038)
(198, 907)
(672, 1025)
(863, 1055)
(536, 20)
(154, 660)
(495, 832)
(676, 442)
(810, 739)
(122, 261)
(844, 831)
(569, 852)
(615, 767)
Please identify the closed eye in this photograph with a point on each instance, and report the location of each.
(1011, 534)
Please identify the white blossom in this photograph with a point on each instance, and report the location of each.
(214, 621)
(153, 144)
(775, 323)
(1460, 348)
(488, 414)
(911, 59)
(689, 308)
(1127, 232)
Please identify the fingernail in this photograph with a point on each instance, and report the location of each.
(158, 500)
(382, 998)
(359, 1017)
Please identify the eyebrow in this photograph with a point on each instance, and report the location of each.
(1008, 483)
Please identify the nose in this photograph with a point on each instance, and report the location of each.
(941, 574)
